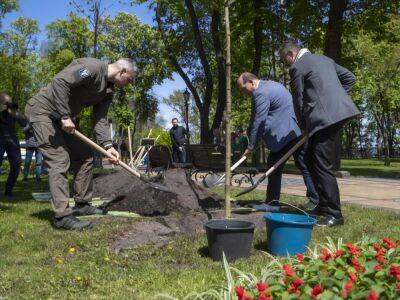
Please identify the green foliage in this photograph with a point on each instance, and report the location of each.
(18, 59)
(7, 6)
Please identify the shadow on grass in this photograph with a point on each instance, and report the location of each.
(46, 215)
(261, 245)
(204, 252)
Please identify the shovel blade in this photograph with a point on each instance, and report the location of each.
(212, 180)
(247, 190)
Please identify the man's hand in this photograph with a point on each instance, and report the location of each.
(67, 125)
(180, 149)
(115, 154)
(248, 153)
(12, 112)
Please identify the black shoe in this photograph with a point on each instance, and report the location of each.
(71, 222)
(330, 221)
(85, 210)
(315, 212)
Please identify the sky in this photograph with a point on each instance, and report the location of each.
(47, 11)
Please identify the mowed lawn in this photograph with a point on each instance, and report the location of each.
(362, 167)
(40, 262)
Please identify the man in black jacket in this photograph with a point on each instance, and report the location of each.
(9, 142)
(179, 139)
(320, 96)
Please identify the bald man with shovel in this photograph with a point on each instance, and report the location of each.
(84, 82)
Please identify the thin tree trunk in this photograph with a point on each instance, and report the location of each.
(228, 116)
(258, 38)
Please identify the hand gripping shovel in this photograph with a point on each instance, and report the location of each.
(214, 179)
(100, 149)
(275, 166)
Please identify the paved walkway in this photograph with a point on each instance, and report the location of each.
(374, 192)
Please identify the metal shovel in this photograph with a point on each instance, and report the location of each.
(56, 117)
(121, 163)
(275, 166)
(214, 179)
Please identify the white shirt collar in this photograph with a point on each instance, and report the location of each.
(301, 53)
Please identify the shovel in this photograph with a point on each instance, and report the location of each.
(215, 179)
(275, 166)
(100, 149)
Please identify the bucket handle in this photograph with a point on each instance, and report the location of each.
(293, 206)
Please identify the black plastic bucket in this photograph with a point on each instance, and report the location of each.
(233, 237)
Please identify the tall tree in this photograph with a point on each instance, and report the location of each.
(7, 6)
(94, 10)
(17, 47)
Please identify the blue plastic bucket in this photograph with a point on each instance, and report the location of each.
(288, 234)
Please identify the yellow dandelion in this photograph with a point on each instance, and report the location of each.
(106, 258)
(72, 250)
(78, 278)
(60, 261)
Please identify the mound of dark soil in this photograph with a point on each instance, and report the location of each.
(131, 194)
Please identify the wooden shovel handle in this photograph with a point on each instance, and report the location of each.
(100, 149)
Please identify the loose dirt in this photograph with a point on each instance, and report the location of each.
(166, 215)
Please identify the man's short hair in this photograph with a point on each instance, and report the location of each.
(247, 77)
(289, 45)
(174, 119)
(128, 64)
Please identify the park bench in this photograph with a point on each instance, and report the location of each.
(160, 159)
(209, 159)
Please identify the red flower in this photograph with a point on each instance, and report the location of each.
(289, 272)
(378, 249)
(379, 258)
(356, 264)
(395, 271)
(347, 288)
(353, 277)
(300, 257)
(318, 289)
(264, 297)
(261, 286)
(354, 250)
(295, 284)
(372, 296)
(389, 243)
(338, 253)
(326, 254)
(398, 287)
(242, 294)
(378, 268)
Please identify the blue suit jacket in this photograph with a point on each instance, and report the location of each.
(273, 117)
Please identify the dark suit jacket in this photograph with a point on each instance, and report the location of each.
(178, 136)
(320, 92)
(273, 117)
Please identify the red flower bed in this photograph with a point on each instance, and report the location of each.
(367, 270)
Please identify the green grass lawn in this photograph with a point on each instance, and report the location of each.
(362, 167)
(36, 261)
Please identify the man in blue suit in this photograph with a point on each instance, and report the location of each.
(273, 120)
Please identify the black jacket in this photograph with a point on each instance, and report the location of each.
(7, 124)
(178, 136)
(320, 92)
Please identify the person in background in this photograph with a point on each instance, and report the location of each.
(179, 138)
(9, 142)
(274, 121)
(31, 149)
(322, 105)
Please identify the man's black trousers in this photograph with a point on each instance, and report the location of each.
(320, 158)
(275, 179)
(10, 145)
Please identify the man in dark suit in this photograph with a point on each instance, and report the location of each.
(179, 140)
(274, 121)
(320, 93)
